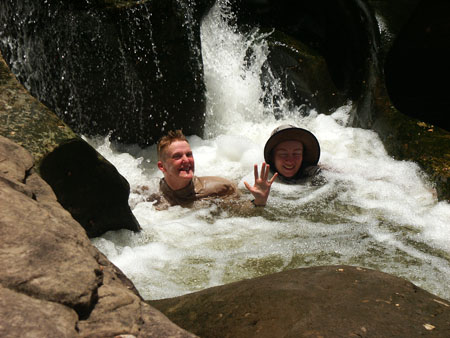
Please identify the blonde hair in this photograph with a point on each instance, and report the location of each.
(167, 140)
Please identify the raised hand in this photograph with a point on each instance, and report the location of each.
(261, 189)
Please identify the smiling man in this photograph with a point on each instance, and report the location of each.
(181, 187)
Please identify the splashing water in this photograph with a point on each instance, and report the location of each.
(372, 211)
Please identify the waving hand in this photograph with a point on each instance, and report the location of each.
(261, 189)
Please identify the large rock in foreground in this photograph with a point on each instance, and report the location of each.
(53, 281)
(331, 301)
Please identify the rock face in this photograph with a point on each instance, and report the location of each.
(89, 187)
(53, 281)
(85, 183)
(132, 68)
(416, 66)
(332, 301)
(303, 73)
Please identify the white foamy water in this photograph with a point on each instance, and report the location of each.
(370, 211)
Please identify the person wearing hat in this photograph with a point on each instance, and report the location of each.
(293, 153)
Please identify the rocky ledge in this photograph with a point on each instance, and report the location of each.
(53, 281)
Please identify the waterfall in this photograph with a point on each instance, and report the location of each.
(370, 211)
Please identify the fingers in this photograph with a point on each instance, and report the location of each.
(266, 172)
(273, 178)
(247, 186)
(263, 171)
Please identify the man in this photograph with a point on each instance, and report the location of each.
(181, 187)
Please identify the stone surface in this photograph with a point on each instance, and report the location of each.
(53, 281)
(34, 245)
(329, 301)
(416, 66)
(24, 316)
(303, 73)
(89, 187)
(94, 193)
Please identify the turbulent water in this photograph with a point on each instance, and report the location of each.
(370, 211)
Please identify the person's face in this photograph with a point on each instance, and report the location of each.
(177, 164)
(288, 157)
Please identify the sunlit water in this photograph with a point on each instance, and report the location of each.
(372, 211)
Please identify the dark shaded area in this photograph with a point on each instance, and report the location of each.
(417, 66)
(303, 75)
(335, 29)
(89, 187)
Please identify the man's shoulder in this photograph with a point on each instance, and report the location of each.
(214, 185)
(213, 179)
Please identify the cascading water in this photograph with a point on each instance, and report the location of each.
(371, 211)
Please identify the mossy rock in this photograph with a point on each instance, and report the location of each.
(407, 138)
(85, 183)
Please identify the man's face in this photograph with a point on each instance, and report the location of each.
(288, 157)
(177, 164)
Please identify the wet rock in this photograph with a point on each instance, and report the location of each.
(53, 281)
(416, 66)
(329, 301)
(89, 187)
(129, 68)
(407, 138)
(303, 74)
(85, 183)
(34, 245)
(334, 29)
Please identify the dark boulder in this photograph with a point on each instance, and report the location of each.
(89, 187)
(417, 71)
(129, 68)
(85, 183)
(407, 138)
(329, 301)
(303, 75)
(336, 30)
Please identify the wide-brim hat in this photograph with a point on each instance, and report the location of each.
(287, 132)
